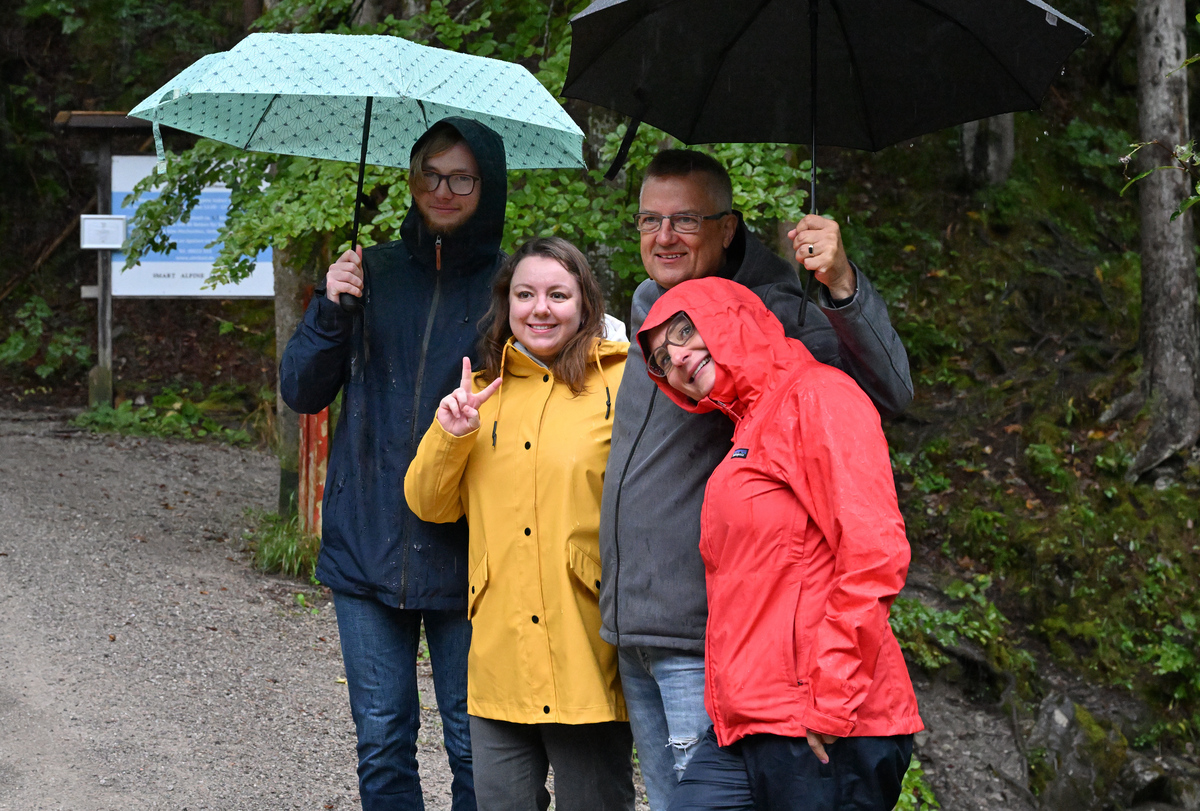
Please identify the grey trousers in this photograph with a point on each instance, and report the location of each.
(593, 766)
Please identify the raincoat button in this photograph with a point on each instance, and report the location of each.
(597, 585)
(535, 619)
(546, 710)
(472, 589)
(526, 446)
(528, 531)
(545, 378)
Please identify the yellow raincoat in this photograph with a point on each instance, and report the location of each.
(532, 502)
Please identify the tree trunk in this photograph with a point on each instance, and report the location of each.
(289, 309)
(251, 11)
(400, 9)
(367, 12)
(597, 123)
(1169, 335)
(987, 149)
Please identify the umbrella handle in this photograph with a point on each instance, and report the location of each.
(351, 303)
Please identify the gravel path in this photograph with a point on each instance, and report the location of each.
(143, 663)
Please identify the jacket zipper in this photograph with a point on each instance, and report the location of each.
(617, 516)
(416, 424)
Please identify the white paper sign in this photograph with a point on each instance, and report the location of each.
(181, 273)
(101, 231)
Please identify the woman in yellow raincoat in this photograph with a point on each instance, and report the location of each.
(542, 685)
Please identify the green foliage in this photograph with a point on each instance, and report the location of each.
(171, 414)
(1106, 578)
(922, 468)
(1096, 149)
(1046, 463)
(927, 633)
(1041, 770)
(279, 545)
(915, 792)
(33, 339)
(126, 48)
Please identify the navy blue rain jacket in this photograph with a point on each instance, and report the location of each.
(419, 323)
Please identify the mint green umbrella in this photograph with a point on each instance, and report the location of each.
(321, 95)
(306, 94)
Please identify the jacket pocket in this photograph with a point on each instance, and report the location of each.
(799, 677)
(585, 568)
(478, 585)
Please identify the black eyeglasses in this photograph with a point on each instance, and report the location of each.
(458, 184)
(648, 223)
(679, 332)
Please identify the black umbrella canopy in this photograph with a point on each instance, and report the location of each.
(712, 71)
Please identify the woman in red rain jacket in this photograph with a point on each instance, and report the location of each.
(804, 551)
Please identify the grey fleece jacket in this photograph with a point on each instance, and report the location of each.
(652, 591)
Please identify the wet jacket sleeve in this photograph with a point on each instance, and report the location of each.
(317, 357)
(842, 475)
(433, 484)
(869, 349)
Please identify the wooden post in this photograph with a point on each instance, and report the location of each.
(100, 378)
(314, 461)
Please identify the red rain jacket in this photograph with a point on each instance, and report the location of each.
(802, 539)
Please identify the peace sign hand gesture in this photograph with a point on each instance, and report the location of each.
(458, 412)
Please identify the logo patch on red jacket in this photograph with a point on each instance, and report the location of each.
(740, 453)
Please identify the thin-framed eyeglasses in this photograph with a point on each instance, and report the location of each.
(679, 331)
(648, 223)
(460, 185)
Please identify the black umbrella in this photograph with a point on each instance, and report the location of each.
(746, 71)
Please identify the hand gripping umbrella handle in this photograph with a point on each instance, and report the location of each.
(349, 302)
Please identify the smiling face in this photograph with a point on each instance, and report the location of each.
(670, 257)
(543, 306)
(442, 210)
(692, 370)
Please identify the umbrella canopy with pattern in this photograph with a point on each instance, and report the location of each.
(305, 94)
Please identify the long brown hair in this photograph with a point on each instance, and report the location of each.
(571, 364)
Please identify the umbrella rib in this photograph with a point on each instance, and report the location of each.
(923, 4)
(261, 118)
(712, 79)
(858, 85)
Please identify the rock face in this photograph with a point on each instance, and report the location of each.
(1074, 759)
(982, 751)
(1160, 782)
(971, 758)
(1078, 762)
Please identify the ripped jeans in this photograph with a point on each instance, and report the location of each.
(664, 693)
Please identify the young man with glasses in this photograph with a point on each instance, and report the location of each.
(652, 593)
(394, 361)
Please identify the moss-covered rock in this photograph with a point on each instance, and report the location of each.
(1075, 758)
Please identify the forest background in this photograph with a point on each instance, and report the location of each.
(1017, 294)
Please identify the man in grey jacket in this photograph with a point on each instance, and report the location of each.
(652, 594)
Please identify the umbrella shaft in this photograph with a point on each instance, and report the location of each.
(812, 99)
(362, 168)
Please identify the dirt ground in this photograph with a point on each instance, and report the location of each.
(143, 663)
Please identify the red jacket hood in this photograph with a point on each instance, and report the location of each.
(750, 351)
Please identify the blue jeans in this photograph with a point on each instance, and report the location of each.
(664, 693)
(773, 773)
(379, 649)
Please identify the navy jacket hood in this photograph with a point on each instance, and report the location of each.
(478, 241)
